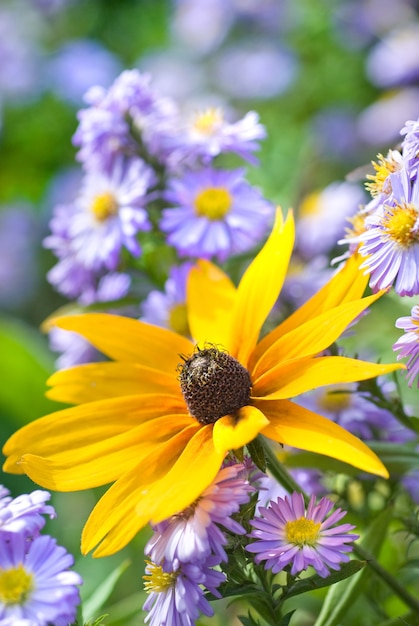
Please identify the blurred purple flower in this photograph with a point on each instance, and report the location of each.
(214, 213)
(202, 25)
(394, 60)
(78, 65)
(322, 217)
(257, 69)
(168, 308)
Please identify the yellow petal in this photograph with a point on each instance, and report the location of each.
(194, 470)
(259, 288)
(210, 300)
(295, 426)
(117, 517)
(313, 336)
(182, 483)
(88, 423)
(233, 432)
(125, 339)
(346, 285)
(102, 462)
(96, 381)
(291, 378)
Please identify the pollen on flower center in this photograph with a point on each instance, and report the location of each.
(401, 224)
(104, 206)
(214, 384)
(157, 580)
(15, 585)
(205, 122)
(379, 182)
(213, 203)
(302, 531)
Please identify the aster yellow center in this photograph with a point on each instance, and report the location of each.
(357, 225)
(156, 580)
(104, 206)
(178, 319)
(378, 182)
(334, 401)
(206, 122)
(213, 203)
(15, 585)
(302, 531)
(400, 223)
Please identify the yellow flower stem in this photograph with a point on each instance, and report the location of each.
(279, 472)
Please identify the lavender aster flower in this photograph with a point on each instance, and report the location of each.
(176, 596)
(168, 308)
(35, 583)
(105, 218)
(214, 213)
(193, 534)
(289, 535)
(24, 514)
(391, 239)
(408, 344)
(208, 134)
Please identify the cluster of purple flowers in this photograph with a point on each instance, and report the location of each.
(146, 168)
(386, 232)
(184, 550)
(36, 586)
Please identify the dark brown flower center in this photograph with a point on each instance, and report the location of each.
(214, 384)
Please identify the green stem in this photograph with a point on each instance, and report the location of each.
(278, 470)
(390, 581)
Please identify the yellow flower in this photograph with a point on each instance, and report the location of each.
(132, 426)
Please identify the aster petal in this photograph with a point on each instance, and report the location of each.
(259, 288)
(292, 378)
(105, 461)
(96, 381)
(296, 426)
(124, 508)
(313, 336)
(89, 423)
(234, 431)
(345, 286)
(210, 297)
(125, 339)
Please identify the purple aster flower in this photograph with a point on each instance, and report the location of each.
(35, 582)
(194, 534)
(176, 595)
(394, 60)
(208, 134)
(24, 513)
(168, 308)
(391, 239)
(408, 344)
(105, 218)
(410, 144)
(411, 483)
(214, 213)
(289, 535)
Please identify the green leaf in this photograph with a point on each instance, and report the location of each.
(343, 594)
(317, 582)
(25, 365)
(94, 604)
(257, 454)
(286, 620)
